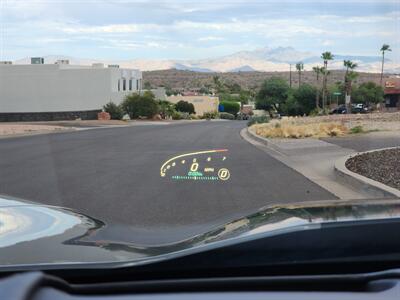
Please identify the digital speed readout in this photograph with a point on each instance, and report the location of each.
(207, 165)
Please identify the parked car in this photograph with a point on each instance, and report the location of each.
(341, 109)
(359, 108)
(356, 108)
(242, 116)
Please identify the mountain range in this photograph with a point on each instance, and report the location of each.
(262, 59)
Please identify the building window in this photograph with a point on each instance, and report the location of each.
(130, 84)
(137, 84)
(119, 85)
(124, 84)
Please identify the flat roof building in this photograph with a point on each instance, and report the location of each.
(62, 91)
(392, 93)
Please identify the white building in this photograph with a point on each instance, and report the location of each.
(61, 91)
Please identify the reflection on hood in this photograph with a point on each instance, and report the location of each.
(32, 234)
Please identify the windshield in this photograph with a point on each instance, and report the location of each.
(150, 123)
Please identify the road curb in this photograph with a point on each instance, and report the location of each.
(263, 140)
(362, 182)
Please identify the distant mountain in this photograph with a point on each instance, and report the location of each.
(188, 68)
(262, 59)
(243, 69)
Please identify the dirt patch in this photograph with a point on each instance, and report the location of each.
(9, 129)
(382, 166)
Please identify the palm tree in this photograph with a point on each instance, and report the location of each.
(299, 68)
(317, 70)
(218, 85)
(349, 77)
(350, 66)
(384, 48)
(326, 56)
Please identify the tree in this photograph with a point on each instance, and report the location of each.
(147, 85)
(290, 107)
(317, 70)
(272, 94)
(349, 76)
(218, 85)
(228, 97)
(166, 109)
(325, 73)
(338, 87)
(299, 68)
(384, 48)
(184, 106)
(230, 107)
(204, 90)
(304, 97)
(245, 96)
(114, 110)
(234, 88)
(326, 56)
(368, 92)
(137, 105)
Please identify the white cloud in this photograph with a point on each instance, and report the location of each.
(210, 38)
(327, 43)
(114, 28)
(277, 27)
(388, 17)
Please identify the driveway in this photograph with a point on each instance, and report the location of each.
(113, 174)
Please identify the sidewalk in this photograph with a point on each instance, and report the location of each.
(314, 159)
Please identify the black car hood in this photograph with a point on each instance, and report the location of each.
(46, 237)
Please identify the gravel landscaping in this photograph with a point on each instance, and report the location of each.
(382, 166)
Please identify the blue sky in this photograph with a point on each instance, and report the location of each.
(141, 29)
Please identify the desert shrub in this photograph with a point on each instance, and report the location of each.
(176, 115)
(226, 116)
(356, 129)
(136, 105)
(210, 115)
(289, 129)
(114, 110)
(258, 120)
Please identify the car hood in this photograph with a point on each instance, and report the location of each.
(36, 236)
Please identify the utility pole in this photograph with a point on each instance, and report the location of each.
(290, 76)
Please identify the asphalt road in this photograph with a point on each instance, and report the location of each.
(113, 174)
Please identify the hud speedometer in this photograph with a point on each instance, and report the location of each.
(202, 165)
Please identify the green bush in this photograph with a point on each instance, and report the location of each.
(136, 105)
(226, 116)
(304, 98)
(368, 92)
(258, 120)
(210, 115)
(357, 129)
(114, 110)
(184, 106)
(272, 94)
(166, 109)
(230, 107)
(176, 115)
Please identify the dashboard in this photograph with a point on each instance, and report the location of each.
(38, 286)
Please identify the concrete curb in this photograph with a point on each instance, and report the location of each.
(362, 182)
(263, 140)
